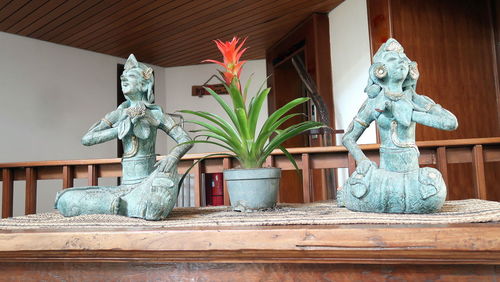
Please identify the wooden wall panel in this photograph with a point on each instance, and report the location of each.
(453, 42)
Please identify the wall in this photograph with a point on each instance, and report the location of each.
(350, 51)
(179, 81)
(50, 95)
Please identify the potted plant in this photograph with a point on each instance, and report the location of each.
(250, 187)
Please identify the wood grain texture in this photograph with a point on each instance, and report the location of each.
(7, 192)
(442, 163)
(306, 179)
(349, 244)
(226, 164)
(457, 56)
(243, 272)
(68, 176)
(197, 171)
(92, 179)
(31, 191)
(479, 173)
(164, 33)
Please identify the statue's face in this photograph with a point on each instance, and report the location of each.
(397, 65)
(132, 84)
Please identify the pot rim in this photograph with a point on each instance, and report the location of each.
(248, 169)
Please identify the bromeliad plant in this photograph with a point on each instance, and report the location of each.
(250, 145)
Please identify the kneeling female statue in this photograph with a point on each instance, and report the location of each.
(149, 190)
(399, 185)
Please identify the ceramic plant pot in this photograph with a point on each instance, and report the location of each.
(253, 189)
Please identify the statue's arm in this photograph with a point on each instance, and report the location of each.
(433, 114)
(358, 125)
(176, 132)
(103, 130)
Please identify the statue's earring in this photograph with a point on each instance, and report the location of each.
(414, 73)
(380, 71)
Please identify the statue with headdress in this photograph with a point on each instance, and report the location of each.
(398, 185)
(148, 188)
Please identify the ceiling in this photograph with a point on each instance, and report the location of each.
(164, 33)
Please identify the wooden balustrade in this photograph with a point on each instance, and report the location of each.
(440, 153)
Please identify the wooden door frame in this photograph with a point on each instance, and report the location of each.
(313, 36)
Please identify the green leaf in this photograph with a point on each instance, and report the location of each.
(280, 112)
(224, 125)
(235, 94)
(253, 113)
(224, 105)
(216, 131)
(242, 118)
(264, 136)
(245, 91)
(290, 158)
(207, 142)
(290, 133)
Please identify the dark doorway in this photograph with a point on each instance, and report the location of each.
(310, 42)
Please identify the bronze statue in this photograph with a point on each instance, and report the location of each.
(145, 192)
(399, 185)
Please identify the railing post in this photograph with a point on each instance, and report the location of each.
(30, 200)
(478, 172)
(306, 178)
(197, 170)
(68, 176)
(92, 175)
(7, 192)
(226, 164)
(442, 163)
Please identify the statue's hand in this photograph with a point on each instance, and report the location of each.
(364, 166)
(148, 118)
(167, 164)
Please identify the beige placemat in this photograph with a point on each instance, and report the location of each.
(320, 213)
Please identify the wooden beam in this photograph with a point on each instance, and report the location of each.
(7, 192)
(316, 244)
(68, 176)
(442, 163)
(306, 179)
(92, 175)
(197, 170)
(30, 200)
(478, 172)
(226, 164)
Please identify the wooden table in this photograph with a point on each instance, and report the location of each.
(273, 253)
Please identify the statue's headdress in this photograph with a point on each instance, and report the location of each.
(378, 70)
(145, 71)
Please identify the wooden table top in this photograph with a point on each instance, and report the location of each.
(368, 244)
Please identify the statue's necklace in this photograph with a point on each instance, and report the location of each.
(394, 96)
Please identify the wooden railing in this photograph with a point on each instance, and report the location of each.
(440, 153)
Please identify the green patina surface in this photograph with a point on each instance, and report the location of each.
(149, 189)
(398, 185)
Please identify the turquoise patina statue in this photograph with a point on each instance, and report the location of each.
(398, 185)
(149, 189)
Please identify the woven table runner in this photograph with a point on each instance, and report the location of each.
(319, 213)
